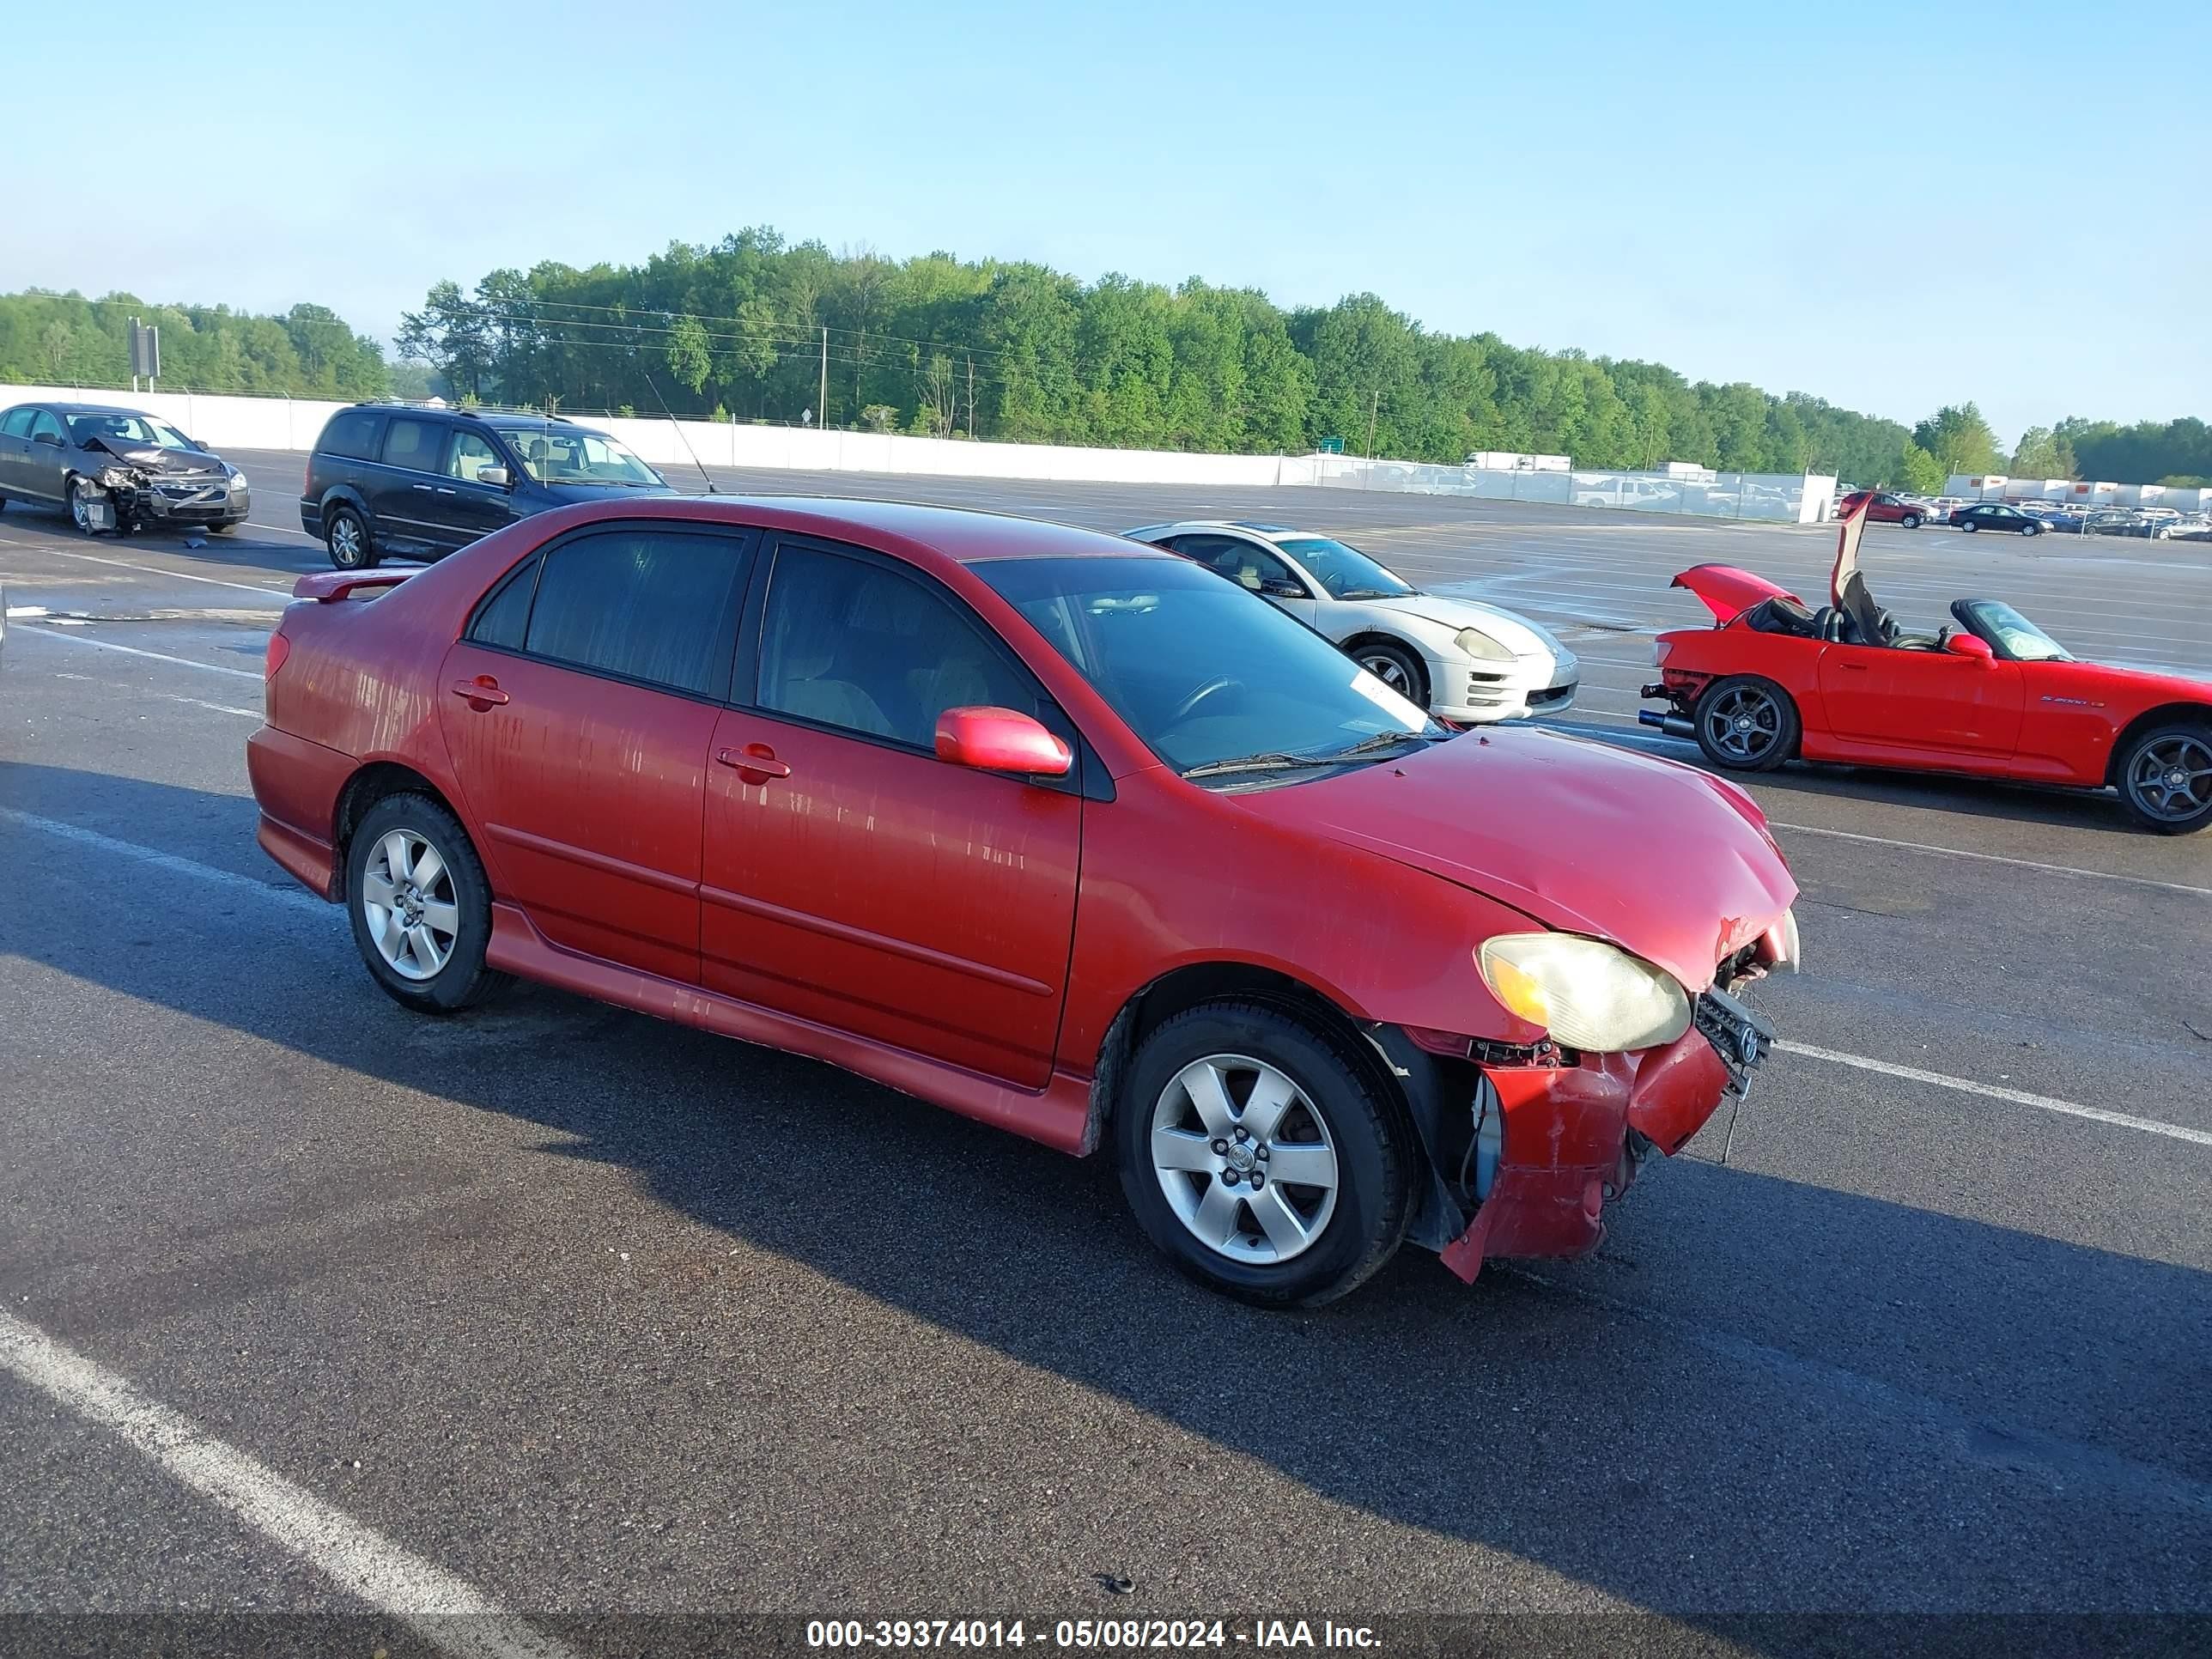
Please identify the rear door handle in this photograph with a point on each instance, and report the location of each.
(443, 490)
(756, 763)
(425, 488)
(483, 692)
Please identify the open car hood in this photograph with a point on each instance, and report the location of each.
(1727, 592)
(1658, 858)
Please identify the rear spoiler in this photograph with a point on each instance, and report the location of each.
(328, 586)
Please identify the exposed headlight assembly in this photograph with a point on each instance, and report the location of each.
(1476, 643)
(117, 477)
(1586, 993)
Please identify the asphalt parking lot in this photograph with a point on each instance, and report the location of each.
(596, 1319)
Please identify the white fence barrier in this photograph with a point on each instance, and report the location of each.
(224, 420)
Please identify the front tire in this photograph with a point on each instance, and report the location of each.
(1911, 521)
(1306, 1194)
(347, 537)
(2031, 530)
(82, 493)
(421, 907)
(1398, 666)
(2166, 778)
(1746, 724)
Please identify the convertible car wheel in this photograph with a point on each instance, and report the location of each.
(1746, 724)
(1259, 1157)
(2166, 778)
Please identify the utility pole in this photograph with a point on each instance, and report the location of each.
(971, 396)
(825, 404)
(1373, 404)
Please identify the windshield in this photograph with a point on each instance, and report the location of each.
(557, 455)
(2022, 640)
(1201, 671)
(138, 430)
(1346, 572)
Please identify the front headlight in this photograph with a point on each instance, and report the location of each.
(1476, 643)
(237, 480)
(117, 477)
(1586, 993)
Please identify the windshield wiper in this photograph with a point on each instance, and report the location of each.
(1279, 760)
(1274, 762)
(1369, 593)
(1386, 740)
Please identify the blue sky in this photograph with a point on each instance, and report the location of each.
(1750, 192)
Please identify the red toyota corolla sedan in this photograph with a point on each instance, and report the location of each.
(1062, 833)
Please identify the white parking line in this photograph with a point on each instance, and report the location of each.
(1996, 858)
(300, 898)
(1994, 1091)
(296, 898)
(159, 570)
(449, 1612)
(37, 632)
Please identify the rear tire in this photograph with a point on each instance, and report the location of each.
(348, 539)
(1746, 724)
(2165, 776)
(420, 906)
(1970, 526)
(1273, 1091)
(1398, 666)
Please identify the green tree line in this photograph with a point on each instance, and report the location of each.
(1018, 351)
(66, 339)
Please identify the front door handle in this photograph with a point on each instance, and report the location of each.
(425, 488)
(756, 763)
(482, 692)
(1852, 667)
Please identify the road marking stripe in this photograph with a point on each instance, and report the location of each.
(447, 1611)
(1994, 1091)
(134, 650)
(296, 898)
(1996, 858)
(156, 571)
(301, 899)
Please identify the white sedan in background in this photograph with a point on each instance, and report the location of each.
(1462, 660)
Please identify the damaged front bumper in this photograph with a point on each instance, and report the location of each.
(137, 498)
(1569, 1138)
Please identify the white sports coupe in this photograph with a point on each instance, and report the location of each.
(1463, 660)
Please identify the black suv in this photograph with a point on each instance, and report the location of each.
(402, 481)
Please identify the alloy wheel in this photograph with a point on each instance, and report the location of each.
(2172, 779)
(408, 900)
(80, 506)
(1388, 670)
(1247, 1164)
(1744, 724)
(345, 540)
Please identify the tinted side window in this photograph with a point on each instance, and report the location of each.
(854, 644)
(414, 445)
(647, 604)
(503, 619)
(351, 433)
(1243, 562)
(472, 453)
(17, 422)
(46, 421)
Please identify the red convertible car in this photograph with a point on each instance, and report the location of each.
(1990, 694)
(1062, 833)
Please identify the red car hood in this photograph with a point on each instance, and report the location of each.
(1660, 859)
(1728, 591)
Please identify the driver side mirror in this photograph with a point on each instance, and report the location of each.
(1281, 587)
(52, 438)
(1001, 740)
(496, 477)
(1971, 645)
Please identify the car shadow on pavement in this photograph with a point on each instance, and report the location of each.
(1763, 1395)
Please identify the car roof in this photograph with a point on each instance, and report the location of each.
(1265, 532)
(958, 534)
(96, 409)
